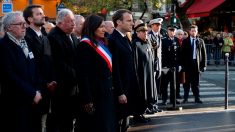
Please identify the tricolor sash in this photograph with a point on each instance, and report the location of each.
(102, 51)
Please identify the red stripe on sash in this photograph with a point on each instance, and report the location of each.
(100, 53)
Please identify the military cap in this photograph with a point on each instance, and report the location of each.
(141, 27)
(157, 20)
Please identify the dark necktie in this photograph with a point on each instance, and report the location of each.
(70, 38)
(194, 48)
(40, 38)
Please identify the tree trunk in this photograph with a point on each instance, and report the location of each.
(181, 12)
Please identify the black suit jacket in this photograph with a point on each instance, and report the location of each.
(187, 54)
(125, 80)
(19, 74)
(64, 57)
(124, 70)
(42, 53)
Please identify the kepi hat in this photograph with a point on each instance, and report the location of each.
(157, 20)
(141, 27)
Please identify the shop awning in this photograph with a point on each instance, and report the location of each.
(202, 8)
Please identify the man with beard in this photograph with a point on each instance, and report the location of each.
(194, 60)
(41, 49)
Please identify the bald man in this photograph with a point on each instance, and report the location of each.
(79, 21)
(109, 27)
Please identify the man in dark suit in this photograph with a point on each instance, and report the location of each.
(170, 60)
(193, 62)
(125, 81)
(41, 49)
(21, 88)
(63, 47)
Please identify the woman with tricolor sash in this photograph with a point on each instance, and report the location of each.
(95, 79)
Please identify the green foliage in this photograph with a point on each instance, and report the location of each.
(91, 6)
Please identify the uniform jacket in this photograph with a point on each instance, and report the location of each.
(145, 68)
(157, 48)
(170, 56)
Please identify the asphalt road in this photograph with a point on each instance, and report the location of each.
(211, 116)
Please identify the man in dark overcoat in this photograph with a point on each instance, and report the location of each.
(41, 49)
(63, 48)
(21, 87)
(125, 81)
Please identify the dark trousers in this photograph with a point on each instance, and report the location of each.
(192, 80)
(165, 80)
(63, 114)
(123, 124)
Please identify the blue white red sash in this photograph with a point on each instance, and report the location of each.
(102, 51)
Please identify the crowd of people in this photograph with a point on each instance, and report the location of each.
(85, 74)
(218, 44)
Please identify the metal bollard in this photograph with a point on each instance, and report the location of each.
(226, 81)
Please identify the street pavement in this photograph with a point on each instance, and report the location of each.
(211, 116)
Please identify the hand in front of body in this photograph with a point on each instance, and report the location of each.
(37, 97)
(122, 99)
(51, 86)
(89, 108)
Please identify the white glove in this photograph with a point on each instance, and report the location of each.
(204, 68)
(180, 68)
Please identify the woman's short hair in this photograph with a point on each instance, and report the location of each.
(179, 31)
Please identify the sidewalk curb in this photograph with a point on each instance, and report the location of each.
(219, 68)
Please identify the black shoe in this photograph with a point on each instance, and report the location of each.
(185, 101)
(164, 103)
(178, 97)
(148, 111)
(156, 109)
(159, 110)
(198, 101)
(140, 119)
(176, 102)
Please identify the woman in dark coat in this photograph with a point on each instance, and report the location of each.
(95, 79)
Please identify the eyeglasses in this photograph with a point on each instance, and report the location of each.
(22, 24)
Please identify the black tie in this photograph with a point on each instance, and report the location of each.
(41, 38)
(70, 39)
